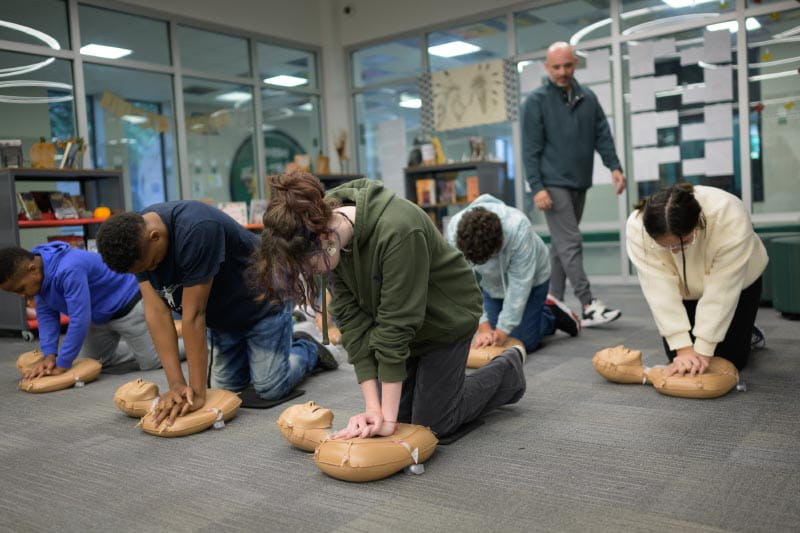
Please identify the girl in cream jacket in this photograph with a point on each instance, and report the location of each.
(699, 264)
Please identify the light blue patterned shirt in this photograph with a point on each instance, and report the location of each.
(522, 263)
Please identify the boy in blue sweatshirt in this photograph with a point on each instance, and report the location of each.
(103, 307)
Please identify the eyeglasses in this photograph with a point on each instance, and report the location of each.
(685, 242)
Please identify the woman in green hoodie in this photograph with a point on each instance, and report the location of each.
(406, 302)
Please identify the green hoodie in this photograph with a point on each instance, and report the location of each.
(402, 288)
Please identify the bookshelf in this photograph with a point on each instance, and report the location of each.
(98, 187)
(491, 177)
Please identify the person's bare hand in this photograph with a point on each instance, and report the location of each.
(687, 361)
(177, 402)
(618, 181)
(542, 200)
(483, 339)
(367, 424)
(46, 367)
(499, 337)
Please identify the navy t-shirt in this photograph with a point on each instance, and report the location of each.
(206, 243)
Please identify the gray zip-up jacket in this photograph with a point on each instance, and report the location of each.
(559, 137)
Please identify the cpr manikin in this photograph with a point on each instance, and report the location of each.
(306, 426)
(83, 370)
(623, 365)
(479, 357)
(138, 398)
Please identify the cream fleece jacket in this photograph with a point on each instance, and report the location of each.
(725, 258)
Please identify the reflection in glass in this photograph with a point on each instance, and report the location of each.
(291, 126)
(373, 108)
(35, 108)
(39, 22)
(219, 132)
(288, 67)
(213, 52)
(386, 62)
(774, 58)
(132, 128)
(466, 45)
(647, 14)
(145, 39)
(536, 29)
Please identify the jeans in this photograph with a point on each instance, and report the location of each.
(537, 319)
(437, 393)
(264, 355)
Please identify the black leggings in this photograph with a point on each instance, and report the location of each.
(735, 347)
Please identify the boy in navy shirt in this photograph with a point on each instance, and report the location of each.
(102, 306)
(193, 259)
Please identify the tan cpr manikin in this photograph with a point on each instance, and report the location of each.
(623, 365)
(306, 426)
(136, 396)
(83, 371)
(479, 357)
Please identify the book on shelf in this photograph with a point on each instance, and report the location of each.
(426, 191)
(236, 210)
(80, 206)
(28, 205)
(258, 207)
(62, 205)
(75, 241)
(42, 199)
(473, 188)
(446, 191)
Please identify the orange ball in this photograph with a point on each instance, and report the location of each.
(102, 212)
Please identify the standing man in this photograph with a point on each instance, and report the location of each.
(562, 126)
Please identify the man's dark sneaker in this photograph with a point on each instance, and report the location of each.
(757, 340)
(597, 313)
(566, 320)
(325, 359)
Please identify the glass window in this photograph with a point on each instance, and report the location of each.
(132, 128)
(373, 108)
(38, 103)
(213, 52)
(111, 34)
(774, 59)
(39, 22)
(386, 62)
(286, 67)
(636, 15)
(681, 111)
(219, 134)
(465, 45)
(581, 20)
(291, 126)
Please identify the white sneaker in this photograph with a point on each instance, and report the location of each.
(597, 313)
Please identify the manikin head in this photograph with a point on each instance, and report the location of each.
(21, 272)
(560, 63)
(133, 243)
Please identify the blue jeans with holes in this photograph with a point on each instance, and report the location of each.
(265, 355)
(537, 319)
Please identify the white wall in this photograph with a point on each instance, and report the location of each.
(296, 20)
(374, 19)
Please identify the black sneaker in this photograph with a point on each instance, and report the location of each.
(325, 359)
(597, 313)
(566, 320)
(757, 340)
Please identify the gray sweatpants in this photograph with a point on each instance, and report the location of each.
(566, 250)
(437, 392)
(122, 340)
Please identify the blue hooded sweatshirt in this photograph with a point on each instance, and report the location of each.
(78, 284)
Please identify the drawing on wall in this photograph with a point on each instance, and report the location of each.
(469, 96)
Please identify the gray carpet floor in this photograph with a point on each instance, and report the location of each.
(575, 454)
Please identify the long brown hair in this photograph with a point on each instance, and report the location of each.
(298, 213)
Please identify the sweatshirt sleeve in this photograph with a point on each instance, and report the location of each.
(724, 281)
(521, 273)
(661, 287)
(75, 287)
(533, 139)
(604, 143)
(49, 327)
(405, 269)
(354, 325)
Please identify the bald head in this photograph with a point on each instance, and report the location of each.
(560, 63)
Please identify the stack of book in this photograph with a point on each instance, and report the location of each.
(49, 205)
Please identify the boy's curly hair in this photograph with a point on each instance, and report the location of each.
(479, 235)
(119, 241)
